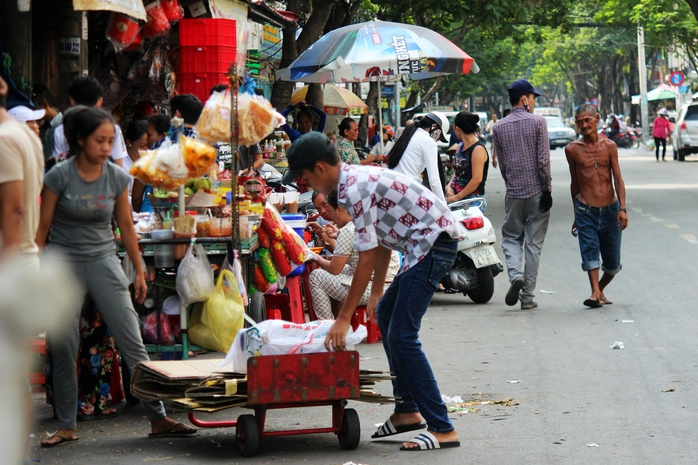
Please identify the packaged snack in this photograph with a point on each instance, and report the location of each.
(198, 156)
(259, 280)
(257, 118)
(158, 23)
(278, 253)
(263, 238)
(266, 264)
(214, 122)
(295, 248)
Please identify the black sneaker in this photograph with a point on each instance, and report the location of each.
(513, 292)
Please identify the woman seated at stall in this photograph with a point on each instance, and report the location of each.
(471, 161)
(333, 279)
(158, 128)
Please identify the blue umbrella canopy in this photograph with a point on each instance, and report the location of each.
(378, 50)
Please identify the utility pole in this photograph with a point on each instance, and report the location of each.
(397, 120)
(642, 68)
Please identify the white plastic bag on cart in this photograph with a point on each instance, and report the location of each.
(129, 269)
(278, 337)
(195, 276)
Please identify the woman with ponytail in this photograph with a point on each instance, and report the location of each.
(416, 150)
(79, 199)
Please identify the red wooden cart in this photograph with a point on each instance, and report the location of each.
(292, 381)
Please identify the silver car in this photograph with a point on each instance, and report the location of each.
(559, 134)
(685, 135)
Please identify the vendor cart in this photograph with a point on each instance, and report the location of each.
(295, 381)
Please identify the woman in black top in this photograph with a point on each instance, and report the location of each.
(470, 163)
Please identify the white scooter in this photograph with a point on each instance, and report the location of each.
(477, 263)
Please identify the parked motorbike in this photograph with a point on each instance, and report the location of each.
(477, 263)
(625, 138)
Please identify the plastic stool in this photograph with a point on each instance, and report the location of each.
(38, 346)
(361, 318)
(278, 307)
(295, 299)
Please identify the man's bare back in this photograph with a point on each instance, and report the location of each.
(591, 168)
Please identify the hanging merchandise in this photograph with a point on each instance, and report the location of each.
(284, 246)
(195, 276)
(173, 10)
(158, 24)
(150, 329)
(216, 322)
(214, 122)
(137, 43)
(266, 264)
(122, 31)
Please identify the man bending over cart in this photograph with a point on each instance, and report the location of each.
(390, 212)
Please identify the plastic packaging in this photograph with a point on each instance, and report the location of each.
(172, 9)
(278, 337)
(158, 24)
(214, 122)
(257, 118)
(150, 329)
(128, 268)
(220, 316)
(195, 276)
(122, 31)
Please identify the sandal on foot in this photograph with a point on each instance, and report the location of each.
(62, 441)
(428, 441)
(605, 301)
(388, 429)
(593, 303)
(177, 430)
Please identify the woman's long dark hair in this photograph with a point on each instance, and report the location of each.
(395, 154)
(80, 122)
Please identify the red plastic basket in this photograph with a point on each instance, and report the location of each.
(206, 59)
(201, 84)
(205, 32)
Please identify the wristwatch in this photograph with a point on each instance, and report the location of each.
(624, 210)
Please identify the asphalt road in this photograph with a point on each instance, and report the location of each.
(575, 401)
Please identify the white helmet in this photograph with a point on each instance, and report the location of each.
(440, 119)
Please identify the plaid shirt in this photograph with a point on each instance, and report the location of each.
(391, 210)
(523, 152)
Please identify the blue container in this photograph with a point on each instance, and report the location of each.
(297, 222)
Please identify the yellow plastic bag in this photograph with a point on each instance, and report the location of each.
(215, 323)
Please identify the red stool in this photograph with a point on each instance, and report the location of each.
(361, 318)
(278, 307)
(38, 346)
(295, 299)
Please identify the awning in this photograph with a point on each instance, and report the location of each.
(132, 8)
(260, 12)
(663, 92)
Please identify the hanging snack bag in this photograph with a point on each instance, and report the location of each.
(173, 10)
(278, 253)
(266, 264)
(295, 247)
(158, 23)
(122, 31)
(257, 118)
(263, 238)
(214, 122)
(259, 280)
(198, 156)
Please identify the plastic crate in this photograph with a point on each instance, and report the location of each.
(211, 59)
(201, 84)
(207, 32)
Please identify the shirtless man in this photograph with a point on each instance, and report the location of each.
(599, 209)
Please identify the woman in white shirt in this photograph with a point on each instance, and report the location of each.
(416, 150)
(388, 143)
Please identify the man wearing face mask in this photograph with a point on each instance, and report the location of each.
(523, 152)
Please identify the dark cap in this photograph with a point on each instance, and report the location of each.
(306, 149)
(522, 87)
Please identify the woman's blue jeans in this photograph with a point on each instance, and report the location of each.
(399, 315)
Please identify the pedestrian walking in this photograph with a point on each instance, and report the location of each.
(599, 209)
(79, 198)
(390, 212)
(522, 147)
(660, 132)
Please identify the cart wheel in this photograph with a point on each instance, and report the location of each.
(258, 309)
(247, 435)
(350, 434)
